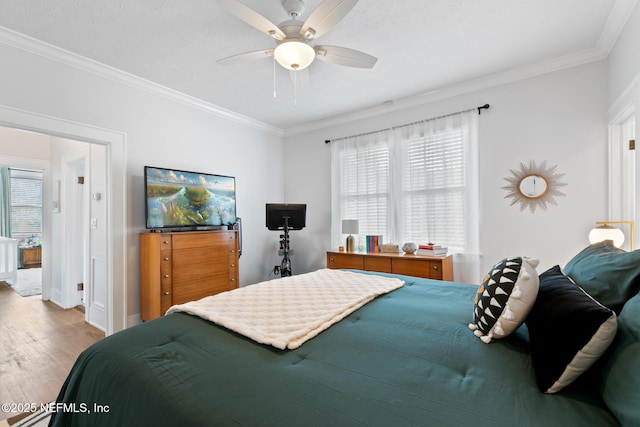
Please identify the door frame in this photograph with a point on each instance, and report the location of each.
(115, 143)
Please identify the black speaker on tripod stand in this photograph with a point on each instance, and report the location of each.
(285, 217)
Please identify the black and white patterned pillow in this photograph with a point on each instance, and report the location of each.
(505, 298)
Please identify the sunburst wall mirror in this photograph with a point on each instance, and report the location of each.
(534, 186)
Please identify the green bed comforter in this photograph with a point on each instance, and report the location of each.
(405, 359)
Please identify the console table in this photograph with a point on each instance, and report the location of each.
(437, 267)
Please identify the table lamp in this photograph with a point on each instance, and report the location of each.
(605, 231)
(350, 226)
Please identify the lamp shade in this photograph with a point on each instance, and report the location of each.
(350, 226)
(294, 55)
(607, 232)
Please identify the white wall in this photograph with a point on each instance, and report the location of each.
(624, 60)
(22, 144)
(159, 131)
(559, 117)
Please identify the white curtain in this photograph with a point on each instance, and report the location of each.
(360, 168)
(413, 183)
(5, 201)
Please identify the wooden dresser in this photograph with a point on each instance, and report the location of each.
(178, 267)
(439, 268)
(31, 257)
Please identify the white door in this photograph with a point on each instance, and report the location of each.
(84, 275)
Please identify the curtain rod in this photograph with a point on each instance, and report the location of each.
(480, 108)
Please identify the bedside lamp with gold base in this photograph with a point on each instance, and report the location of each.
(606, 231)
(350, 226)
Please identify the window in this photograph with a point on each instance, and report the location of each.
(414, 183)
(364, 186)
(433, 189)
(26, 203)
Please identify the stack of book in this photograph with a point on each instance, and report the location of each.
(389, 248)
(373, 244)
(431, 250)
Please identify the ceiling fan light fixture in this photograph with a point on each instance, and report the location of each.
(294, 55)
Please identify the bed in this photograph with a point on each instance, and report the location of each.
(405, 358)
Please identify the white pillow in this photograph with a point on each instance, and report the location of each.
(505, 298)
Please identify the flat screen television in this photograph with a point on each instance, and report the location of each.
(180, 199)
(296, 215)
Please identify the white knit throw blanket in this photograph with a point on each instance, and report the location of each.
(288, 311)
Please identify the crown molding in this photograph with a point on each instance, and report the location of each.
(625, 99)
(620, 13)
(54, 53)
(497, 79)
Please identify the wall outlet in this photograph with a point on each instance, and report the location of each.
(94, 223)
(81, 286)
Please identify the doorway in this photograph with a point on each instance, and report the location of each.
(70, 245)
(112, 264)
(623, 187)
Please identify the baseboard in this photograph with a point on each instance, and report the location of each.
(133, 320)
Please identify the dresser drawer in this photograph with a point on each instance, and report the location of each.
(337, 260)
(435, 270)
(377, 264)
(411, 267)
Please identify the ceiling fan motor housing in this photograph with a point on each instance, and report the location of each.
(293, 7)
(291, 28)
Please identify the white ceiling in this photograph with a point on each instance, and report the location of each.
(422, 47)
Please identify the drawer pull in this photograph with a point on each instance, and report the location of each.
(166, 276)
(166, 258)
(435, 267)
(167, 293)
(233, 279)
(166, 242)
(233, 265)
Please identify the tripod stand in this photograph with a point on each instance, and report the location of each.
(285, 265)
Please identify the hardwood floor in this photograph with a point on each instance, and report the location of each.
(39, 342)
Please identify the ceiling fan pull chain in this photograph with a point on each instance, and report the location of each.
(274, 78)
(295, 89)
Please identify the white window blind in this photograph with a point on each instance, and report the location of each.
(26, 203)
(414, 183)
(433, 189)
(365, 186)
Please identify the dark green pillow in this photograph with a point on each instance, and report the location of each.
(608, 274)
(620, 374)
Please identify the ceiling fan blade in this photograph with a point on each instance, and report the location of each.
(345, 56)
(325, 17)
(247, 56)
(299, 78)
(253, 18)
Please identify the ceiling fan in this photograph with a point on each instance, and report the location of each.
(295, 39)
